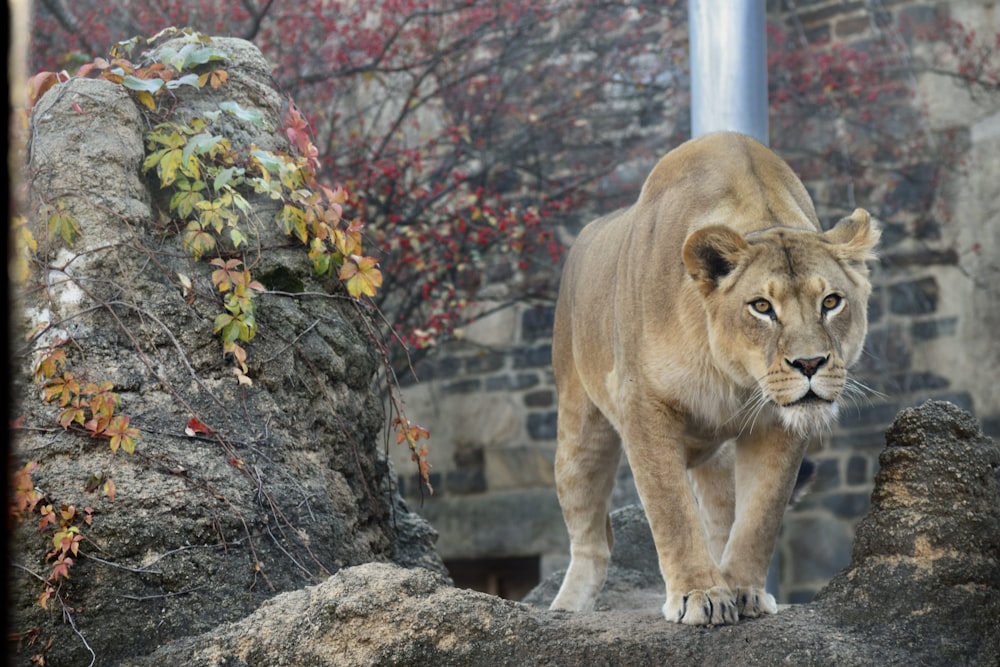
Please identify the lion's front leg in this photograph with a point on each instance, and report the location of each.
(697, 592)
(766, 466)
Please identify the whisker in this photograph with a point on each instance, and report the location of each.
(750, 420)
(859, 386)
(747, 404)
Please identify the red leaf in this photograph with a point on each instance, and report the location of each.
(195, 426)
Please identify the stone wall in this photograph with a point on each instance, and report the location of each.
(489, 400)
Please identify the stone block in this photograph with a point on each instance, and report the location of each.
(920, 257)
(818, 547)
(800, 596)
(413, 484)
(543, 398)
(485, 361)
(497, 525)
(914, 297)
(892, 234)
(857, 471)
(913, 190)
(469, 457)
(542, 425)
(827, 474)
(514, 382)
(875, 415)
(918, 17)
(438, 367)
(811, 16)
(482, 420)
(466, 386)
(853, 27)
(465, 481)
(509, 468)
(868, 440)
(536, 322)
(875, 307)
(918, 381)
(847, 505)
(991, 426)
(532, 357)
(498, 328)
(929, 329)
(886, 349)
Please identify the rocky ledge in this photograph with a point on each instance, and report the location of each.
(922, 588)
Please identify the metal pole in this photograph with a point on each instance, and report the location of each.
(728, 67)
(729, 87)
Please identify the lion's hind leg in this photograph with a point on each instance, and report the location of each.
(587, 458)
(714, 486)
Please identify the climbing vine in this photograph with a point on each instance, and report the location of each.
(208, 187)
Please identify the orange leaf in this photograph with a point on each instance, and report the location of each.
(43, 599)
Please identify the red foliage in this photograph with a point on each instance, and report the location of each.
(467, 131)
(464, 131)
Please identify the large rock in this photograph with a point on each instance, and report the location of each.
(291, 487)
(923, 588)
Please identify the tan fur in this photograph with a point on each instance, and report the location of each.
(658, 349)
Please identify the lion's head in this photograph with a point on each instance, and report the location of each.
(787, 311)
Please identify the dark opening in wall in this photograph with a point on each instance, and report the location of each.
(509, 578)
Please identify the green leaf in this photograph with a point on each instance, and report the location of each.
(227, 177)
(144, 85)
(236, 237)
(228, 326)
(62, 224)
(293, 220)
(186, 80)
(268, 160)
(197, 241)
(240, 202)
(321, 257)
(190, 55)
(186, 197)
(194, 55)
(255, 116)
(201, 144)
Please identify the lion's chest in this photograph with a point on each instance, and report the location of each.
(706, 406)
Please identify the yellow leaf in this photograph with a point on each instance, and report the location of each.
(168, 167)
(361, 276)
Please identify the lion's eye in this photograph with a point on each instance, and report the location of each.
(762, 307)
(831, 301)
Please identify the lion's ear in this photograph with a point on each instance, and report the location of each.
(855, 237)
(711, 253)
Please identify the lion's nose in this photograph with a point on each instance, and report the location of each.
(808, 367)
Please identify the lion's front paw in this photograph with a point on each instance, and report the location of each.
(715, 606)
(753, 602)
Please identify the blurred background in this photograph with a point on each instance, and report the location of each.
(477, 137)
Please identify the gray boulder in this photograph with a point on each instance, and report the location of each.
(923, 588)
(291, 485)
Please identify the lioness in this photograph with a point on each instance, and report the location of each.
(707, 330)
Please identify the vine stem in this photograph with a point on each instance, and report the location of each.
(67, 614)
